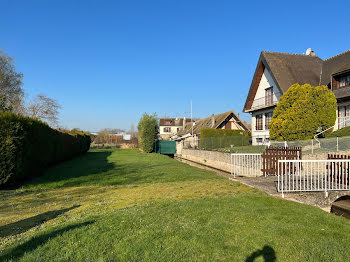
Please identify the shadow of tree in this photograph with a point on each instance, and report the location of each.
(267, 252)
(26, 224)
(18, 251)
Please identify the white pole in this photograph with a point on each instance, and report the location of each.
(337, 144)
(191, 118)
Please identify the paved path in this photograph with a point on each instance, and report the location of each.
(269, 185)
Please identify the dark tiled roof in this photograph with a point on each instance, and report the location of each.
(335, 65)
(289, 69)
(208, 123)
(172, 121)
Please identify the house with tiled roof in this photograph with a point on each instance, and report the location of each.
(227, 120)
(168, 127)
(276, 72)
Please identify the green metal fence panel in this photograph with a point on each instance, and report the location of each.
(165, 147)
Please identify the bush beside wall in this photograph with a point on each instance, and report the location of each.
(211, 132)
(28, 146)
(223, 138)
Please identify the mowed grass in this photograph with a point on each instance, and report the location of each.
(121, 205)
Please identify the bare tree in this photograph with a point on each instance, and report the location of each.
(11, 92)
(132, 131)
(45, 109)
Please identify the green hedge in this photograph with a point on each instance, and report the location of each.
(28, 146)
(341, 132)
(211, 139)
(210, 132)
(212, 143)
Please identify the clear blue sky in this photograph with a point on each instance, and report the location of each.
(107, 62)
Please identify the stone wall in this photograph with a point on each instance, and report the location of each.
(218, 160)
(323, 156)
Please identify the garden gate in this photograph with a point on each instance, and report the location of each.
(272, 154)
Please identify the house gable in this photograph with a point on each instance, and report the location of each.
(259, 71)
(263, 79)
(285, 70)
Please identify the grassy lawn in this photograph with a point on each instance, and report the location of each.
(121, 205)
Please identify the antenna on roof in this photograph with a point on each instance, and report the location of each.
(308, 51)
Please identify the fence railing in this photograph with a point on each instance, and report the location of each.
(323, 145)
(272, 154)
(266, 100)
(246, 165)
(343, 121)
(313, 175)
(310, 146)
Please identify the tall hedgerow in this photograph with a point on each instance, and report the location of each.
(301, 111)
(147, 132)
(28, 146)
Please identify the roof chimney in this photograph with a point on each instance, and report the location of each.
(212, 121)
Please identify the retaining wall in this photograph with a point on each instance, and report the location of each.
(218, 160)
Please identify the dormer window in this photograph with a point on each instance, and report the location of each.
(344, 81)
(341, 80)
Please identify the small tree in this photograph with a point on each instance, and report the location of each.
(147, 132)
(301, 111)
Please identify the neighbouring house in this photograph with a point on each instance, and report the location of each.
(168, 127)
(276, 72)
(227, 120)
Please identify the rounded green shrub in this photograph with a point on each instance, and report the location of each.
(301, 111)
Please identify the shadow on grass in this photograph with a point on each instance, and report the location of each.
(123, 168)
(267, 253)
(18, 251)
(84, 165)
(26, 224)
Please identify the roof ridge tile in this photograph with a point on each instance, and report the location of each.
(292, 54)
(337, 55)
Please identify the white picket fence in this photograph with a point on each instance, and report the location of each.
(313, 175)
(246, 165)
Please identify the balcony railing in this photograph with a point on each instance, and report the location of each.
(266, 101)
(343, 121)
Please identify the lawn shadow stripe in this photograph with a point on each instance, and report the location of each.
(18, 251)
(26, 224)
